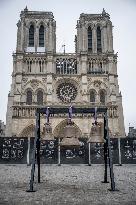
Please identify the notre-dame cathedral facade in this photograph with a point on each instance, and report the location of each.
(42, 77)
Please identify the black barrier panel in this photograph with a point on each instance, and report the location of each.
(128, 150)
(97, 153)
(13, 150)
(48, 151)
(74, 155)
(114, 150)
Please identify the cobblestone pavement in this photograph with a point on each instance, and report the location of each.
(67, 184)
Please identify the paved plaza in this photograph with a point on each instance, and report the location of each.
(67, 184)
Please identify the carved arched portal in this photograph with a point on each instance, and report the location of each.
(59, 130)
(28, 131)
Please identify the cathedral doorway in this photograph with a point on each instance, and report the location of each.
(59, 130)
(28, 131)
(70, 153)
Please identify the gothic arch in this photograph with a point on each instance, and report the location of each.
(29, 97)
(59, 129)
(28, 89)
(28, 131)
(102, 96)
(99, 38)
(31, 38)
(41, 36)
(92, 95)
(99, 25)
(89, 35)
(24, 94)
(39, 89)
(29, 23)
(67, 80)
(98, 86)
(34, 84)
(87, 24)
(102, 89)
(40, 22)
(40, 96)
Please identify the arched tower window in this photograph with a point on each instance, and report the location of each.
(92, 96)
(31, 36)
(41, 36)
(99, 46)
(89, 39)
(29, 97)
(102, 96)
(40, 97)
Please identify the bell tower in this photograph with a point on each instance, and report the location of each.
(94, 45)
(32, 66)
(36, 32)
(94, 33)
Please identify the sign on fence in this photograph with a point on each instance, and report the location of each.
(20, 150)
(13, 150)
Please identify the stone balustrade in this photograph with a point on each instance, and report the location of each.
(66, 64)
(19, 111)
(29, 112)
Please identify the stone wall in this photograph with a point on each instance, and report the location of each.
(2, 129)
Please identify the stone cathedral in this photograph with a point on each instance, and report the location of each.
(42, 77)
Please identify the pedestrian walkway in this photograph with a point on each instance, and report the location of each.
(67, 184)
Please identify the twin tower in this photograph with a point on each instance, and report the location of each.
(42, 77)
(37, 33)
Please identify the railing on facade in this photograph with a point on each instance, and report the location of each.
(66, 64)
(27, 111)
(97, 72)
(19, 111)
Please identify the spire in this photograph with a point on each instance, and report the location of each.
(103, 12)
(26, 9)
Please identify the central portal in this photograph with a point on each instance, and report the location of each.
(60, 130)
(72, 144)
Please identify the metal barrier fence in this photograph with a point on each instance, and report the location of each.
(19, 150)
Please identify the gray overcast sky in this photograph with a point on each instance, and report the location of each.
(66, 13)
